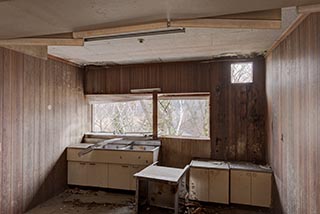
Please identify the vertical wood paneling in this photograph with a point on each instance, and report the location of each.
(237, 123)
(42, 111)
(293, 94)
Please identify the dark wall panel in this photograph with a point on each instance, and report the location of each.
(42, 110)
(237, 110)
(293, 97)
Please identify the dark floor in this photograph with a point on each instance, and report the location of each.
(81, 201)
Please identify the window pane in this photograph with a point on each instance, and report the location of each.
(184, 117)
(241, 73)
(123, 117)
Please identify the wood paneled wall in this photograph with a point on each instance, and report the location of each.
(42, 110)
(293, 97)
(237, 124)
(178, 152)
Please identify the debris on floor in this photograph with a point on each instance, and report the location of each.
(93, 201)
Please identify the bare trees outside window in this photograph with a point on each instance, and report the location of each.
(123, 117)
(241, 72)
(176, 117)
(184, 117)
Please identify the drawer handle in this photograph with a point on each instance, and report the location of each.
(139, 157)
(120, 157)
(92, 164)
(125, 166)
(82, 163)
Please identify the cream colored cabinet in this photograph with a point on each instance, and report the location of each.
(261, 189)
(97, 174)
(209, 181)
(119, 176)
(240, 187)
(87, 174)
(133, 170)
(199, 184)
(219, 186)
(77, 173)
(251, 185)
(107, 168)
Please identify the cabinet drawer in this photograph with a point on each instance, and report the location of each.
(134, 158)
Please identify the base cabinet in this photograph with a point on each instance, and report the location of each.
(119, 176)
(87, 174)
(199, 184)
(219, 186)
(97, 174)
(77, 173)
(209, 181)
(251, 188)
(116, 176)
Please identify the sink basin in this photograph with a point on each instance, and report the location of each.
(114, 146)
(140, 148)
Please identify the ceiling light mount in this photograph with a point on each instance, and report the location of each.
(137, 34)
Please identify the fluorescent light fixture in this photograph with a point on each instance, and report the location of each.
(145, 90)
(137, 34)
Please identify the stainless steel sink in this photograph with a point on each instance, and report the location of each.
(114, 146)
(140, 147)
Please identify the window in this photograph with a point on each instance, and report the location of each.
(133, 117)
(183, 116)
(179, 115)
(241, 72)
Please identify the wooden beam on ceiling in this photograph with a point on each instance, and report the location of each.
(120, 30)
(227, 23)
(309, 8)
(274, 14)
(35, 51)
(270, 19)
(42, 42)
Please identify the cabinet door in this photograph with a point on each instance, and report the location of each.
(199, 184)
(219, 186)
(97, 174)
(240, 187)
(119, 176)
(261, 189)
(134, 170)
(77, 173)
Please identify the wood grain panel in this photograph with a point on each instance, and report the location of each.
(293, 79)
(237, 123)
(42, 110)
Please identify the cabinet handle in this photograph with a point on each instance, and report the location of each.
(125, 166)
(248, 174)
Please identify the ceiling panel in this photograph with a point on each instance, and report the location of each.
(22, 18)
(193, 44)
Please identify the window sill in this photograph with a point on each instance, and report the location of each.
(185, 138)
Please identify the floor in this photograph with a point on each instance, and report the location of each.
(80, 201)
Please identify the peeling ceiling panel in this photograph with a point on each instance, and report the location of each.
(193, 44)
(23, 18)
